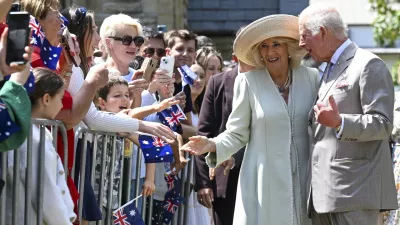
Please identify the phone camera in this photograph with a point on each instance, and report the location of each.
(165, 61)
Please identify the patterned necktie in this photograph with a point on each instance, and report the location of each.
(328, 70)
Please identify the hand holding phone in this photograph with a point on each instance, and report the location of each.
(18, 37)
(71, 46)
(13, 68)
(148, 67)
(167, 63)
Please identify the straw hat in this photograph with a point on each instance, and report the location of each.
(246, 43)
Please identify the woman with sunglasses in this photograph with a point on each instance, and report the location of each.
(121, 36)
(81, 22)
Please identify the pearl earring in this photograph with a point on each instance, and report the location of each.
(290, 56)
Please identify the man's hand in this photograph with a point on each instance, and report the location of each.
(157, 129)
(328, 115)
(160, 79)
(205, 197)
(182, 99)
(98, 75)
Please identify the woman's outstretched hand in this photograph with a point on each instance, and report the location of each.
(199, 145)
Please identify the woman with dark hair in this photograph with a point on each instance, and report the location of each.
(83, 25)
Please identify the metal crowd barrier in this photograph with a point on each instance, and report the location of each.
(180, 217)
(42, 123)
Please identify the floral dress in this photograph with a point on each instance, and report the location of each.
(393, 217)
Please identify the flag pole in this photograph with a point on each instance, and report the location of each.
(128, 203)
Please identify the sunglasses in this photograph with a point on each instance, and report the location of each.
(80, 14)
(127, 40)
(150, 52)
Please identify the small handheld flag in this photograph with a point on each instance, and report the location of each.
(155, 150)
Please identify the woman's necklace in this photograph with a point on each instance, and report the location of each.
(282, 89)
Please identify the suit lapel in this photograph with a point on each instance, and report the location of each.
(228, 87)
(338, 69)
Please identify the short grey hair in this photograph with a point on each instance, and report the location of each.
(320, 15)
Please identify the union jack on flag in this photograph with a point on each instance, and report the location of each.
(170, 179)
(176, 116)
(128, 214)
(172, 117)
(170, 206)
(155, 150)
(158, 142)
(37, 32)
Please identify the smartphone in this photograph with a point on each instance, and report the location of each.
(149, 66)
(162, 28)
(69, 45)
(18, 37)
(167, 63)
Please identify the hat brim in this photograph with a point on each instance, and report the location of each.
(246, 43)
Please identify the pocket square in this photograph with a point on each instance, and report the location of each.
(342, 83)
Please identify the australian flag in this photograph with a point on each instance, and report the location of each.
(37, 32)
(50, 54)
(172, 198)
(155, 150)
(188, 76)
(172, 117)
(128, 215)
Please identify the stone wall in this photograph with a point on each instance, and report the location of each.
(172, 13)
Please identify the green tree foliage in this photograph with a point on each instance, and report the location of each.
(387, 22)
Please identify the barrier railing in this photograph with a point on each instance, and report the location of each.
(109, 140)
(180, 216)
(28, 167)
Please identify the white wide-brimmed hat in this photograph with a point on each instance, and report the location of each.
(247, 41)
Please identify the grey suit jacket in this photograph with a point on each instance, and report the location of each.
(354, 171)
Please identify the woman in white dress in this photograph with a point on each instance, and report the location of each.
(58, 208)
(269, 116)
(197, 214)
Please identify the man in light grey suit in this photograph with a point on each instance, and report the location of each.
(351, 177)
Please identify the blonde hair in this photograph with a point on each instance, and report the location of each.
(204, 54)
(39, 8)
(295, 52)
(112, 23)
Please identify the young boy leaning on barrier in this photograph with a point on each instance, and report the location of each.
(113, 98)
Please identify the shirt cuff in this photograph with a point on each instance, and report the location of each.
(340, 132)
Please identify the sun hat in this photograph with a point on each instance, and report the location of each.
(247, 41)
